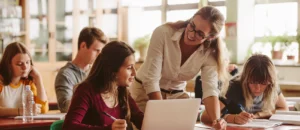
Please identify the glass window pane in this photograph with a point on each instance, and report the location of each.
(83, 21)
(83, 4)
(111, 4)
(139, 24)
(39, 39)
(173, 16)
(69, 27)
(141, 3)
(33, 4)
(44, 6)
(272, 19)
(94, 4)
(64, 34)
(69, 5)
(215, 0)
(109, 25)
(174, 2)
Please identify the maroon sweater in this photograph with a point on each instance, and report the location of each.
(85, 111)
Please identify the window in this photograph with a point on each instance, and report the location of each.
(142, 23)
(175, 15)
(175, 2)
(110, 25)
(276, 19)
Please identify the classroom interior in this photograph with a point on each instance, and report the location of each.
(50, 29)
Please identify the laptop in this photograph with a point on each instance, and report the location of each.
(173, 114)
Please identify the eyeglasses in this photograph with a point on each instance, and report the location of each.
(197, 33)
(260, 84)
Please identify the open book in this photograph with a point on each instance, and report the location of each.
(287, 117)
(258, 123)
(58, 116)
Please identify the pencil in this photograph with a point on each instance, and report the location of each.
(110, 116)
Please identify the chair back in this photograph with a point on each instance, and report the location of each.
(57, 125)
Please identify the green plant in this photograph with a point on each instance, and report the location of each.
(298, 36)
(284, 41)
(141, 42)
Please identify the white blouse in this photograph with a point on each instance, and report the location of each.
(162, 68)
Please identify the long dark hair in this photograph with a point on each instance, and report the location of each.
(10, 52)
(104, 70)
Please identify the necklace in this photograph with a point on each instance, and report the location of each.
(109, 99)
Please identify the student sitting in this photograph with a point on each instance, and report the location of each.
(104, 93)
(256, 90)
(16, 71)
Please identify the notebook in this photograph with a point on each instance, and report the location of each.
(58, 116)
(287, 117)
(173, 114)
(258, 123)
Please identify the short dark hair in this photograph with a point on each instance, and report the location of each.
(89, 35)
(5, 64)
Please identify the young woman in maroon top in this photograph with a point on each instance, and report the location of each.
(104, 91)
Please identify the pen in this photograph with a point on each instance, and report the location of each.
(241, 107)
(110, 116)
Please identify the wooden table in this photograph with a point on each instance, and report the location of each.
(282, 127)
(12, 124)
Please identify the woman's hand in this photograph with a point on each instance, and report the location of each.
(219, 124)
(119, 124)
(34, 73)
(243, 118)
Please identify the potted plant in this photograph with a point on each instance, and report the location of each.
(279, 44)
(298, 41)
(141, 45)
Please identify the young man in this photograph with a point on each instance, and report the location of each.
(90, 43)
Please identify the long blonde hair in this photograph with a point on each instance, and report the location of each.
(260, 69)
(217, 46)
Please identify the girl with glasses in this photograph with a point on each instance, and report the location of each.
(256, 90)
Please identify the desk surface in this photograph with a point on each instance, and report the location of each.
(282, 127)
(8, 123)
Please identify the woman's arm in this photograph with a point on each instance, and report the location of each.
(280, 105)
(38, 81)
(10, 111)
(38, 90)
(153, 64)
(205, 118)
(210, 89)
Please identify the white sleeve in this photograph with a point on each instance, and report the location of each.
(209, 76)
(153, 63)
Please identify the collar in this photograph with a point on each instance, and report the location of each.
(177, 35)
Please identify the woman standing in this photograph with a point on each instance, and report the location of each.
(177, 53)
